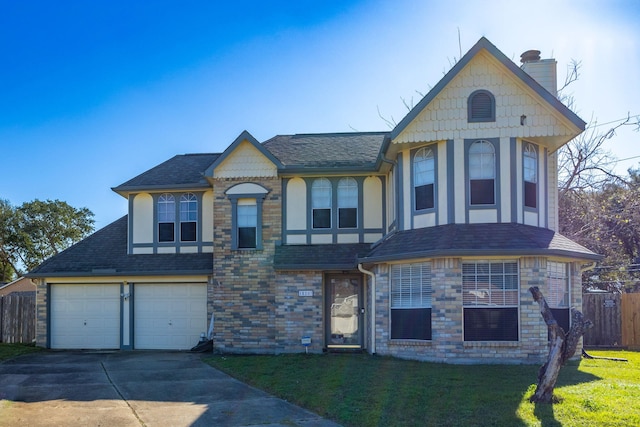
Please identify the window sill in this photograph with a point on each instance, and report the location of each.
(490, 344)
(405, 342)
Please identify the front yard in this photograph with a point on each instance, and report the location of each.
(8, 351)
(363, 390)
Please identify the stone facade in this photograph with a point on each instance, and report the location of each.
(299, 316)
(244, 280)
(447, 342)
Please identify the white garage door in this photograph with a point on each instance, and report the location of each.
(169, 316)
(85, 316)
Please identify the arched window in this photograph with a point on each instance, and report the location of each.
(481, 107)
(188, 217)
(482, 173)
(321, 203)
(347, 203)
(166, 217)
(530, 169)
(424, 179)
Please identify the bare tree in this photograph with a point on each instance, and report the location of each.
(562, 346)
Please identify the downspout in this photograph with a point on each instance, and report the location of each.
(587, 267)
(373, 306)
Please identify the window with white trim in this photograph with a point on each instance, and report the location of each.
(166, 217)
(411, 301)
(424, 179)
(557, 295)
(321, 203)
(347, 203)
(482, 173)
(188, 217)
(530, 169)
(490, 298)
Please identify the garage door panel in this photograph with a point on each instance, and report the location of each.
(85, 316)
(169, 316)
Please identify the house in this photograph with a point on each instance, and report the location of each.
(21, 284)
(420, 242)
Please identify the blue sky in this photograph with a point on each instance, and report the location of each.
(92, 93)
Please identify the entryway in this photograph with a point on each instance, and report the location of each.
(344, 305)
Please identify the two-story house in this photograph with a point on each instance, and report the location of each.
(420, 242)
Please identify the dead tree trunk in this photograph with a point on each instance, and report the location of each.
(562, 346)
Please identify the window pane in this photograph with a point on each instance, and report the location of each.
(166, 232)
(166, 208)
(491, 324)
(424, 197)
(321, 193)
(347, 218)
(188, 207)
(481, 160)
(246, 237)
(347, 193)
(482, 192)
(411, 324)
(322, 218)
(424, 167)
(188, 231)
(530, 196)
(247, 215)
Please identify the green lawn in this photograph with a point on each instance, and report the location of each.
(8, 351)
(363, 390)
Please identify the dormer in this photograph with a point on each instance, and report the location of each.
(480, 146)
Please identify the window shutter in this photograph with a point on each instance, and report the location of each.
(481, 106)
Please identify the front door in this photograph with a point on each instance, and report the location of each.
(345, 311)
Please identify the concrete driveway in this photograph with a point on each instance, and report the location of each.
(134, 389)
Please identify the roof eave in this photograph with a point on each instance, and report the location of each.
(107, 273)
(126, 190)
(480, 252)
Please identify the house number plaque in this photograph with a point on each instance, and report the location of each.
(305, 293)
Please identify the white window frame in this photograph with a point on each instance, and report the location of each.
(347, 198)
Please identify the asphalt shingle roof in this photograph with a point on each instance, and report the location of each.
(330, 150)
(180, 170)
(476, 240)
(104, 253)
(319, 257)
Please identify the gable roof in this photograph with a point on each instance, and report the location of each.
(328, 151)
(476, 240)
(485, 44)
(181, 171)
(104, 253)
(244, 136)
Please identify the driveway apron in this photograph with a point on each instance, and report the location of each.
(135, 389)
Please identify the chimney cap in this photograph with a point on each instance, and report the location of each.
(530, 56)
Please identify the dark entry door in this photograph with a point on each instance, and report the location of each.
(345, 309)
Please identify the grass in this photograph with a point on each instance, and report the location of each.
(364, 390)
(9, 351)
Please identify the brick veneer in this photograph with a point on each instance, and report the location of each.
(244, 280)
(447, 342)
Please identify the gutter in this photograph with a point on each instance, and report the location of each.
(373, 306)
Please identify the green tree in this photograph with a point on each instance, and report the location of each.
(38, 229)
(8, 242)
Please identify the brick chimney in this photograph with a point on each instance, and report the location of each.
(542, 70)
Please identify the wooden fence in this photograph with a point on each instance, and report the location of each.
(631, 320)
(18, 317)
(616, 320)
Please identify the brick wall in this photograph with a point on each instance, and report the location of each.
(244, 280)
(447, 342)
(41, 313)
(299, 316)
